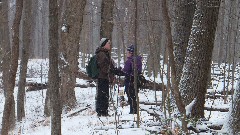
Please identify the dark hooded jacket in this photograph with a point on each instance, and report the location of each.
(105, 63)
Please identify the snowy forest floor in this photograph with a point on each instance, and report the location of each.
(83, 118)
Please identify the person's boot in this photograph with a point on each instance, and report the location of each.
(134, 111)
(100, 113)
(135, 108)
(105, 113)
(131, 109)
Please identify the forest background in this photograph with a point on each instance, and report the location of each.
(188, 35)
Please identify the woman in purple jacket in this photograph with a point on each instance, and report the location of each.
(129, 77)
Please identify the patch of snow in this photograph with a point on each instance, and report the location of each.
(189, 107)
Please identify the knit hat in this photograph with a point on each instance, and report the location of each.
(131, 49)
(103, 42)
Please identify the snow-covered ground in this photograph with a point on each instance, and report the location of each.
(83, 119)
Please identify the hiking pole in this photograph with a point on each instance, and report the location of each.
(111, 95)
(118, 93)
(115, 116)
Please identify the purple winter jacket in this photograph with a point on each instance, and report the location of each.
(129, 71)
(128, 66)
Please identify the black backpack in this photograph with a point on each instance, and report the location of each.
(141, 81)
(92, 68)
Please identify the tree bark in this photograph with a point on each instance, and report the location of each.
(47, 105)
(152, 36)
(27, 29)
(5, 44)
(219, 38)
(234, 117)
(73, 17)
(9, 111)
(107, 19)
(183, 11)
(1, 33)
(175, 90)
(53, 69)
(193, 83)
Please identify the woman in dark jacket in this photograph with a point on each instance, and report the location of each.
(129, 79)
(105, 64)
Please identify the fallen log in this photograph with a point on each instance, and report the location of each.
(215, 127)
(147, 85)
(151, 103)
(33, 86)
(216, 109)
(229, 92)
(214, 96)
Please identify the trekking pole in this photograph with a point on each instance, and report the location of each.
(111, 95)
(115, 116)
(118, 93)
(118, 97)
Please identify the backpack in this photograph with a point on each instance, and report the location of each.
(141, 81)
(92, 68)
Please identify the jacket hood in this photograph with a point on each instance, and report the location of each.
(101, 49)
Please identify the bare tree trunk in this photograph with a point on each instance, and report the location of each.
(107, 19)
(219, 38)
(198, 56)
(153, 34)
(182, 23)
(9, 111)
(47, 105)
(27, 29)
(131, 23)
(175, 90)
(234, 115)
(73, 18)
(135, 62)
(1, 33)
(6, 48)
(53, 69)
(233, 24)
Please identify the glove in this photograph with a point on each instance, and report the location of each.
(119, 68)
(117, 71)
(120, 72)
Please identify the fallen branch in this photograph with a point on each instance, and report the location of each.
(81, 110)
(154, 114)
(33, 86)
(151, 103)
(216, 109)
(214, 96)
(215, 127)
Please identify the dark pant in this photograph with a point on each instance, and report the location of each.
(131, 98)
(102, 97)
